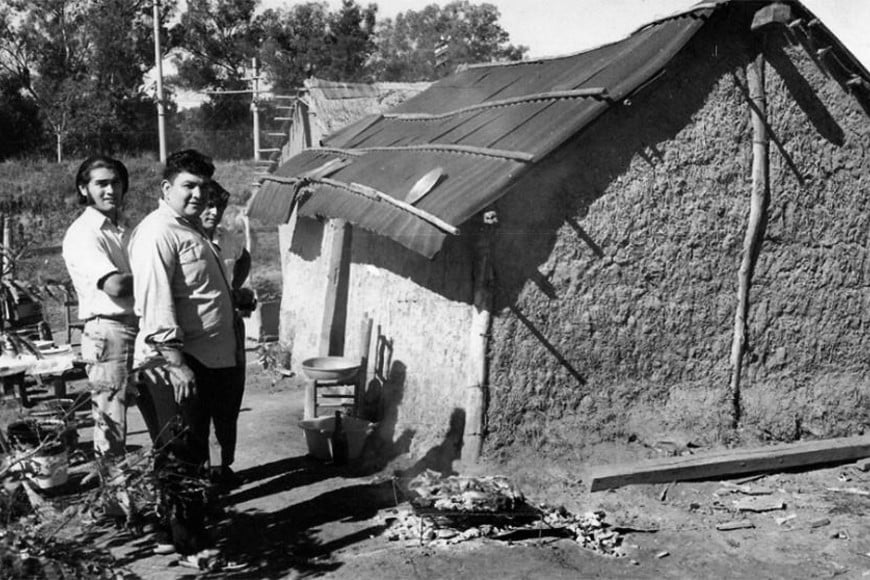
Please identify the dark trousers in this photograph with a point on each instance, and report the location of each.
(179, 433)
(220, 394)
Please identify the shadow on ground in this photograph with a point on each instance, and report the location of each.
(273, 543)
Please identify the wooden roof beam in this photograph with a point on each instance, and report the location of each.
(593, 92)
(468, 149)
(374, 195)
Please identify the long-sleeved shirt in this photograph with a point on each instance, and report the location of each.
(181, 293)
(94, 248)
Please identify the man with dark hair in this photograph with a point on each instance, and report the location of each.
(95, 253)
(224, 401)
(186, 343)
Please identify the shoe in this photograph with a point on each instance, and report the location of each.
(163, 543)
(164, 548)
(225, 477)
(211, 561)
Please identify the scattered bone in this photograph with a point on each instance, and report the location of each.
(850, 490)
(785, 519)
(735, 525)
(756, 504)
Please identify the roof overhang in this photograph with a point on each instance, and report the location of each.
(479, 130)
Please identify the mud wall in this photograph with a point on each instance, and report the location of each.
(617, 264)
(418, 357)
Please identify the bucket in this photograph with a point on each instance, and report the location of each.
(318, 434)
(48, 467)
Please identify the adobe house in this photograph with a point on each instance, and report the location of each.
(667, 234)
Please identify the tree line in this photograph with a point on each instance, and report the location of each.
(75, 74)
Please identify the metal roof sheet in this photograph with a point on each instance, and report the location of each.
(482, 126)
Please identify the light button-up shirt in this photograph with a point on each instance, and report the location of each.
(94, 248)
(181, 293)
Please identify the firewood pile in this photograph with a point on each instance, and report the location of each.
(454, 509)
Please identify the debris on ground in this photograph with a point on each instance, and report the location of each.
(758, 504)
(819, 523)
(735, 525)
(453, 509)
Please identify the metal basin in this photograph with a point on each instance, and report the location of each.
(330, 368)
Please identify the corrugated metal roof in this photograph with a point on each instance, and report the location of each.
(483, 126)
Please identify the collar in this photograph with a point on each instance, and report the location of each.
(95, 217)
(166, 210)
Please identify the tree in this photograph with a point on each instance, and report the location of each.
(82, 62)
(218, 39)
(310, 40)
(429, 44)
(19, 119)
(216, 42)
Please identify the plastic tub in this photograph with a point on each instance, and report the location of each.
(330, 368)
(318, 435)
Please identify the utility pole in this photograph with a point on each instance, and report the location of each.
(255, 100)
(255, 109)
(158, 60)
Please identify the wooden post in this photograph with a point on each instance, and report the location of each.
(481, 325)
(337, 283)
(5, 249)
(362, 377)
(756, 227)
(310, 396)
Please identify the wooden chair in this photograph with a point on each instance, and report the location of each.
(71, 319)
(347, 394)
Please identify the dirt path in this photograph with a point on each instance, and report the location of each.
(296, 517)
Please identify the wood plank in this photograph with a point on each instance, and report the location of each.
(335, 300)
(731, 462)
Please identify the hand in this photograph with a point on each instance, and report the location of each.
(183, 381)
(244, 299)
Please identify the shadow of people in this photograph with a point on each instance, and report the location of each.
(383, 446)
(278, 476)
(274, 543)
(441, 457)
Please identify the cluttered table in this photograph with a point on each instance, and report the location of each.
(41, 362)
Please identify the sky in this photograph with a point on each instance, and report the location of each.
(557, 27)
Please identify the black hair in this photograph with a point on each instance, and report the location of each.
(83, 175)
(217, 195)
(190, 161)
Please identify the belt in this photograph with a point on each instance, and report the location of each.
(128, 319)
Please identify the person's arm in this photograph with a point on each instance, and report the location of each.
(241, 269)
(89, 262)
(154, 259)
(117, 285)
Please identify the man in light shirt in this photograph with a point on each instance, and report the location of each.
(94, 249)
(186, 343)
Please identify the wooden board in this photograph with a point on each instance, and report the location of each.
(337, 280)
(731, 462)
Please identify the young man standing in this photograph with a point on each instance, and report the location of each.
(186, 342)
(94, 249)
(224, 403)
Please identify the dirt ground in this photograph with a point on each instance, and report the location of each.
(297, 517)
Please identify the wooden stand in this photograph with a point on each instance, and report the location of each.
(345, 392)
(351, 389)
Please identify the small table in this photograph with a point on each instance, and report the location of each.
(53, 368)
